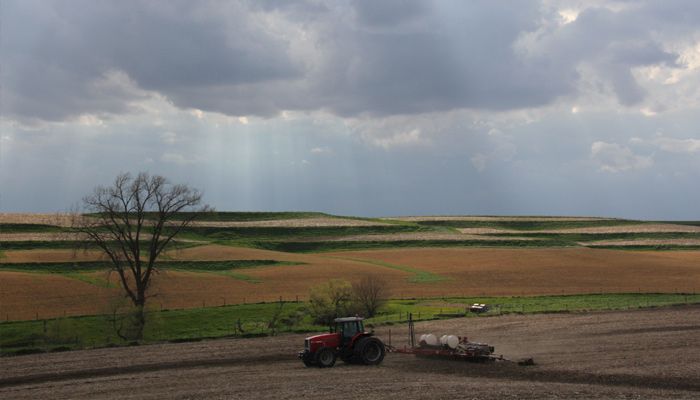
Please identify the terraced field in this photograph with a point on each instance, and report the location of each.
(418, 256)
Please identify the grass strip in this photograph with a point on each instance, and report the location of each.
(78, 245)
(525, 225)
(291, 233)
(91, 266)
(590, 237)
(92, 280)
(640, 247)
(247, 320)
(31, 228)
(418, 275)
(319, 247)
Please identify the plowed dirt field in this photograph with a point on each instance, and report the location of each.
(650, 354)
(452, 272)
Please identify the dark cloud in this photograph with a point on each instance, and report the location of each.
(56, 53)
(612, 44)
(60, 58)
(389, 12)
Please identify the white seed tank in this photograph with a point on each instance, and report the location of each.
(429, 339)
(452, 341)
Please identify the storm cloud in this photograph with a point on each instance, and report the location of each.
(357, 106)
(64, 58)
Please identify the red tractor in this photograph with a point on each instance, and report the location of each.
(347, 340)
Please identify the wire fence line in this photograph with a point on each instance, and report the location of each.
(56, 306)
(64, 333)
(522, 308)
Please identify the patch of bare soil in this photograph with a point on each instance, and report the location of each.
(57, 219)
(533, 271)
(650, 354)
(36, 237)
(31, 295)
(51, 255)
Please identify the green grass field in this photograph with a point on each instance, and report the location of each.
(30, 228)
(246, 320)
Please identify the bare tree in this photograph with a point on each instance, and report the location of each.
(133, 222)
(369, 293)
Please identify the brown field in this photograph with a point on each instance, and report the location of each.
(644, 354)
(467, 272)
(50, 255)
(34, 237)
(57, 219)
(29, 296)
(492, 271)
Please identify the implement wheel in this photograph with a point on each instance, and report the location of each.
(370, 351)
(325, 358)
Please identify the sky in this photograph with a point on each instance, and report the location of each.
(368, 108)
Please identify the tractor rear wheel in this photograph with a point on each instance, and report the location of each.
(325, 358)
(370, 351)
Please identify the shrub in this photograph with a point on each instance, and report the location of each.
(331, 300)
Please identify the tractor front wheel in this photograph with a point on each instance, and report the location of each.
(325, 358)
(370, 351)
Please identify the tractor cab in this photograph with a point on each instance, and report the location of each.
(348, 327)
